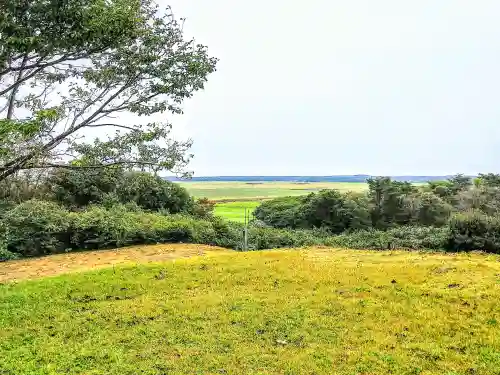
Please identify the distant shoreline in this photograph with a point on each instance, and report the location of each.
(335, 178)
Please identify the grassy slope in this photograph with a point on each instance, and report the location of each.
(276, 312)
(248, 191)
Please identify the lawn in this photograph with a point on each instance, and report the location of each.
(315, 311)
(235, 211)
(245, 191)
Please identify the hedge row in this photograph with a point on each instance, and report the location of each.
(38, 228)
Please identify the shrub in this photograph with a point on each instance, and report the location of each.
(483, 198)
(202, 208)
(408, 237)
(80, 188)
(474, 230)
(387, 201)
(336, 212)
(428, 209)
(328, 209)
(284, 212)
(153, 193)
(36, 228)
(77, 188)
(4, 253)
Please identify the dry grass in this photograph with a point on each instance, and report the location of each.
(89, 260)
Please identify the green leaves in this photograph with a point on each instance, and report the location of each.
(85, 62)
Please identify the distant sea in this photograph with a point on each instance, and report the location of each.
(336, 178)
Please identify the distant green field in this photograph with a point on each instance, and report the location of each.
(235, 211)
(247, 191)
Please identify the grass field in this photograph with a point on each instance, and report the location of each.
(314, 311)
(243, 191)
(235, 211)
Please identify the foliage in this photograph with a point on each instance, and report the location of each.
(5, 254)
(387, 199)
(201, 208)
(484, 198)
(328, 209)
(405, 237)
(474, 230)
(111, 186)
(111, 57)
(24, 186)
(152, 192)
(488, 179)
(336, 212)
(284, 212)
(449, 189)
(428, 209)
(80, 188)
(36, 228)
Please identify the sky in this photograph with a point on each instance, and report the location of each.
(327, 87)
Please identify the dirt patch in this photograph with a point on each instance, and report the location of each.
(84, 261)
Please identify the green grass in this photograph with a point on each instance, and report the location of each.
(235, 211)
(275, 312)
(243, 191)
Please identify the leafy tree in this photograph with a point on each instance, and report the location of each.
(489, 180)
(69, 67)
(328, 209)
(153, 193)
(335, 212)
(283, 212)
(459, 183)
(387, 200)
(76, 188)
(485, 199)
(428, 209)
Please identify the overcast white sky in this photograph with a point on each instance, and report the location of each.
(344, 87)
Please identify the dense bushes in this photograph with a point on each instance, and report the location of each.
(407, 237)
(36, 228)
(87, 211)
(76, 189)
(451, 215)
(474, 230)
(284, 212)
(39, 228)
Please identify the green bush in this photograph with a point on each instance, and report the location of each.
(407, 237)
(336, 212)
(328, 209)
(36, 228)
(77, 188)
(153, 193)
(283, 212)
(474, 230)
(428, 209)
(4, 253)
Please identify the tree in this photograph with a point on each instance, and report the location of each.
(488, 179)
(387, 199)
(153, 193)
(69, 67)
(77, 188)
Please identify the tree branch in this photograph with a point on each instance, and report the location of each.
(12, 98)
(113, 125)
